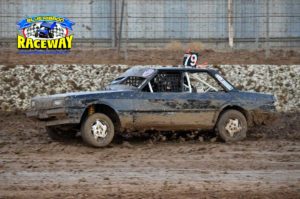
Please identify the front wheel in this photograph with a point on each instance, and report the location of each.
(232, 126)
(98, 130)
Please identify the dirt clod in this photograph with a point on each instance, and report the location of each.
(82, 180)
(127, 144)
(201, 139)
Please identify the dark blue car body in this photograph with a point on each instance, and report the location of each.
(138, 109)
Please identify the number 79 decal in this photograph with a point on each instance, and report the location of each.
(190, 59)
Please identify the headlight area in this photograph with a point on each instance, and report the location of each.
(275, 99)
(58, 103)
(33, 104)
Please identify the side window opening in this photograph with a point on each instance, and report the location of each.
(165, 82)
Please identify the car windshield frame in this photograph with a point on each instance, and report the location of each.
(220, 80)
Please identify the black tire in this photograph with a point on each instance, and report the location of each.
(227, 124)
(60, 135)
(87, 132)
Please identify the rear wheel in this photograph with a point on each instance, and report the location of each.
(98, 130)
(58, 134)
(232, 126)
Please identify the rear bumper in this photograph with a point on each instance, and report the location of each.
(52, 117)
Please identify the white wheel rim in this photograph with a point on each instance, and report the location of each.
(99, 129)
(233, 126)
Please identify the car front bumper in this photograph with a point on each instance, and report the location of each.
(53, 117)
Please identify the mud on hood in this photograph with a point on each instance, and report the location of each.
(59, 100)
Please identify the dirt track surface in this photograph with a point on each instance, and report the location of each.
(267, 164)
(163, 56)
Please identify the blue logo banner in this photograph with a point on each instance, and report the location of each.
(65, 22)
(23, 24)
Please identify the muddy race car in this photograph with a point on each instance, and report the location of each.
(163, 99)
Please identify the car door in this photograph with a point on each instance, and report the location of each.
(156, 106)
(174, 106)
(203, 99)
(198, 110)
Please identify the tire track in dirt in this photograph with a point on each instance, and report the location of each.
(32, 166)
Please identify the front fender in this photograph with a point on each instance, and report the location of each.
(237, 107)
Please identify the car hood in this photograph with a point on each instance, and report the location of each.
(78, 94)
(45, 102)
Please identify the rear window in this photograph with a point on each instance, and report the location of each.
(133, 81)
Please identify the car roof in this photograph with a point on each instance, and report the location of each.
(183, 69)
(141, 71)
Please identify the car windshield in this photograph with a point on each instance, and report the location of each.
(203, 82)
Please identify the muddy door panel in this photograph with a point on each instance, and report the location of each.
(198, 110)
(177, 111)
(155, 110)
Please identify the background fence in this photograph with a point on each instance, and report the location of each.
(152, 23)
